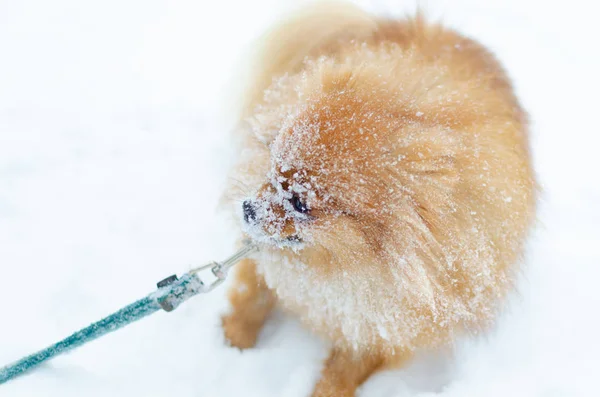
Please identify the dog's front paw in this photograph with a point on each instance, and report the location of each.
(239, 331)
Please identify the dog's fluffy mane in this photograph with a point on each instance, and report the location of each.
(407, 141)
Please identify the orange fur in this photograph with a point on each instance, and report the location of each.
(252, 302)
(406, 143)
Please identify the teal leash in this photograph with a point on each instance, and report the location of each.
(171, 292)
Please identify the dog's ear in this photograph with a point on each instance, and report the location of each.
(427, 158)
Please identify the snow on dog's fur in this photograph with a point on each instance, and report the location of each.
(387, 179)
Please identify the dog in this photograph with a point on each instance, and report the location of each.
(387, 179)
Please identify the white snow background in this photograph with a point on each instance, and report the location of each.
(113, 151)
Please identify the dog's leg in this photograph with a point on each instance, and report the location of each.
(345, 371)
(251, 302)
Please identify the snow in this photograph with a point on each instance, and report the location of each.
(113, 153)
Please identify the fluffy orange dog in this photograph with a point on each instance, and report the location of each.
(388, 183)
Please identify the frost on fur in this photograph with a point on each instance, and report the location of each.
(418, 198)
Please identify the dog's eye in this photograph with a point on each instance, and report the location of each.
(299, 205)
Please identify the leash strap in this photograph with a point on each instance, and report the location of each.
(170, 294)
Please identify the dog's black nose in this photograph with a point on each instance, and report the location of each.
(249, 211)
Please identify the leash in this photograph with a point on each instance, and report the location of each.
(171, 292)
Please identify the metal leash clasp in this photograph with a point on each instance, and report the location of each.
(172, 291)
(216, 270)
(220, 269)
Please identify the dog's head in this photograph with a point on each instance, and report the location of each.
(331, 180)
(347, 170)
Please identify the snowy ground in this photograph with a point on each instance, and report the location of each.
(112, 157)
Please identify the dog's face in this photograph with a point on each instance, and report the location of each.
(332, 183)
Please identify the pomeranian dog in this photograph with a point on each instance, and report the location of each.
(387, 181)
